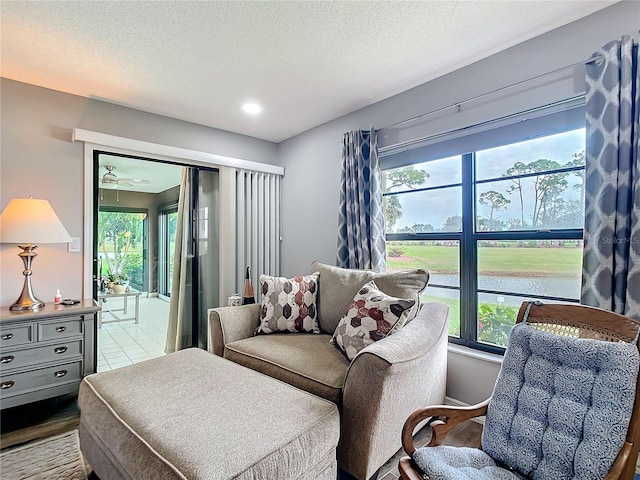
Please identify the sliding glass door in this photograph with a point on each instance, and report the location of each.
(160, 232)
(194, 284)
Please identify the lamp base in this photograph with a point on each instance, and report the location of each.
(37, 305)
(27, 300)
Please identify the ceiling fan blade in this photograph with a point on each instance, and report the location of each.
(133, 180)
(124, 183)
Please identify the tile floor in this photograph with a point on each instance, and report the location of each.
(124, 343)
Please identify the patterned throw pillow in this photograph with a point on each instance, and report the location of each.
(371, 316)
(289, 304)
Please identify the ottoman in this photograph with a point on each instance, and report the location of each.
(193, 415)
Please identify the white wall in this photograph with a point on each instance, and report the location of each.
(37, 157)
(310, 192)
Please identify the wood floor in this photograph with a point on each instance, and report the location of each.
(468, 434)
(38, 420)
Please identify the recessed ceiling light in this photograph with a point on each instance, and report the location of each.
(252, 108)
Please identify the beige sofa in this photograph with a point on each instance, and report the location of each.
(376, 391)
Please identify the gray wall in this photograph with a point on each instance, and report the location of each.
(38, 158)
(310, 191)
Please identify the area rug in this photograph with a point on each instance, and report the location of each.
(54, 458)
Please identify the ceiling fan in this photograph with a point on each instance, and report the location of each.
(109, 179)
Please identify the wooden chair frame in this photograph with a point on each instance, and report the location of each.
(566, 319)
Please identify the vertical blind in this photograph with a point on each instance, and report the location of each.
(258, 226)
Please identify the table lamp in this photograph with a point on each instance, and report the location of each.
(29, 222)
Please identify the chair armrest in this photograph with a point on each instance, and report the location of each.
(385, 383)
(623, 467)
(407, 469)
(228, 324)
(444, 419)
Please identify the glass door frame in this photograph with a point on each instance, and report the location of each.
(164, 245)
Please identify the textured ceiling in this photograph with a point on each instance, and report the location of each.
(305, 62)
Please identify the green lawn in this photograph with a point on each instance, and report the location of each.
(564, 261)
(454, 311)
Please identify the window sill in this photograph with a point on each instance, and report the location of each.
(477, 354)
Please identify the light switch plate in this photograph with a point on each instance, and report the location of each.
(74, 245)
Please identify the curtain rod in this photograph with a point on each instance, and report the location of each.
(403, 147)
(458, 105)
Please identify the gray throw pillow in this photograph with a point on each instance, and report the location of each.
(338, 286)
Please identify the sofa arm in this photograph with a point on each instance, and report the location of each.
(386, 382)
(228, 324)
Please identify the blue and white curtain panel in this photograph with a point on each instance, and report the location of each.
(361, 240)
(611, 259)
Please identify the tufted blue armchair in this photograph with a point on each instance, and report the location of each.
(566, 405)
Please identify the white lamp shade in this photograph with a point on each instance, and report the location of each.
(29, 220)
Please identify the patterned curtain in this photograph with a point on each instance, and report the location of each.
(611, 261)
(361, 242)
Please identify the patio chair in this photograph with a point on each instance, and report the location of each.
(566, 405)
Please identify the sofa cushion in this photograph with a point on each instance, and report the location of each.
(309, 362)
(338, 286)
(371, 316)
(561, 405)
(288, 304)
(462, 463)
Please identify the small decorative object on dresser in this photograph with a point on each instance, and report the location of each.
(45, 353)
(248, 296)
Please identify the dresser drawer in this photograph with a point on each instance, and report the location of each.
(15, 384)
(16, 335)
(45, 354)
(66, 327)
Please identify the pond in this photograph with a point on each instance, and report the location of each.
(553, 286)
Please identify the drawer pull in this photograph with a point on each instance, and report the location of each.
(60, 350)
(60, 373)
(7, 359)
(7, 336)
(7, 384)
(61, 329)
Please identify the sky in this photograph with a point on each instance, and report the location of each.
(436, 206)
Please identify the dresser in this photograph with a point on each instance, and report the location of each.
(46, 353)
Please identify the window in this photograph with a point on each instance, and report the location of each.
(168, 224)
(494, 226)
(122, 244)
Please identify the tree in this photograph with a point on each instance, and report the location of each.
(392, 210)
(548, 189)
(452, 224)
(494, 200)
(407, 177)
(578, 161)
(417, 228)
(518, 168)
(118, 232)
(423, 228)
